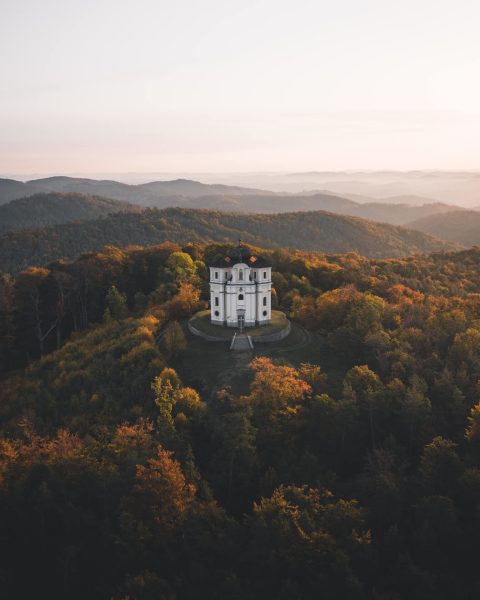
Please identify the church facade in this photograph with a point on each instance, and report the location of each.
(241, 289)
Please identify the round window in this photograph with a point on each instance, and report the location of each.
(216, 313)
(264, 313)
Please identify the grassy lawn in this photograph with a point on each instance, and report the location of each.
(202, 362)
(208, 366)
(202, 322)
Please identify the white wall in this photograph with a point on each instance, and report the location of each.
(228, 295)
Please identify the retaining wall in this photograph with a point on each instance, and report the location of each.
(261, 339)
(205, 336)
(273, 337)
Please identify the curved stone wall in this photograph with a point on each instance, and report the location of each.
(261, 339)
(274, 337)
(205, 336)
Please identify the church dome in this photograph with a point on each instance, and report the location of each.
(241, 254)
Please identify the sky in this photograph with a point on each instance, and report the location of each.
(235, 86)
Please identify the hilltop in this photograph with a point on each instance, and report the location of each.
(318, 230)
(395, 214)
(186, 193)
(161, 462)
(147, 194)
(55, 208)
(461, 226)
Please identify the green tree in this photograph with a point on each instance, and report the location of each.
(303, 541)
(181, 265)
(116, 304)
(233, 468)
(440, 467)
(364, 385)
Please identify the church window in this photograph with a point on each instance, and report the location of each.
(264, 313)
(264, 274)
(216, 313)
(216, 274)
(265, 301)
(254, 274)
(216, 301)
(240, 275)
(240, 296)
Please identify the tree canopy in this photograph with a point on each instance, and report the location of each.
(356, 475)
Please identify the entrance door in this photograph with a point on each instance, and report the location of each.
(241, 322)
(241, 318)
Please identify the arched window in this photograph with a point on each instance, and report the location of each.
(216, 274)
(264, 301)
(240, 296)
(240, 275)
(216, 301)
(264, 274)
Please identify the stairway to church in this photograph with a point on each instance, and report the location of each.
(241, 342)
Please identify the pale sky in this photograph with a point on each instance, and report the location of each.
(238, 85)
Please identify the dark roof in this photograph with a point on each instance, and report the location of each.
(240, 254)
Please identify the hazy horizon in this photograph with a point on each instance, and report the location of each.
(99, 86)
(461, 188)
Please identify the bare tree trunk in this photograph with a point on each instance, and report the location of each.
(41, 336)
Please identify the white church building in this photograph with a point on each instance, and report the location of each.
(240, 289)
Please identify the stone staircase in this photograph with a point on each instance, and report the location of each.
(241, 342)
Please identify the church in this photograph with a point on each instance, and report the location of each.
(240, 289)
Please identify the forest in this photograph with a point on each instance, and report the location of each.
(185, 193)
(311, 231)
(355, 478)
(461, 226)
(40, 210)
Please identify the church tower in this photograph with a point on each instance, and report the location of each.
(241, 289)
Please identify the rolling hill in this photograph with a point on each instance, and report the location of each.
(10, 189)
(186, 193)
(148, 194)
(395, 214)
(318, 230)
(399, 214)
(55, 208)
(461, 226)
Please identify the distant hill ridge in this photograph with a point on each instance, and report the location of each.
(461, 226)
(55, 208)
(193, 194)
(146, 194)
(320, 230)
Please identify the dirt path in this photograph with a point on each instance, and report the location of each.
(235, 374)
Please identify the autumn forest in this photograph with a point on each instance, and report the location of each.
(125, 475)
(239, 300)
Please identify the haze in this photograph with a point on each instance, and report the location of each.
(104, 86)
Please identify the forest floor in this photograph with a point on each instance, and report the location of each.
(210, 366)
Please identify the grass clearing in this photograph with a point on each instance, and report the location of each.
(201, 321)
(208, 366)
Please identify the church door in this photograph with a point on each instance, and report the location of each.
(241, 322)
